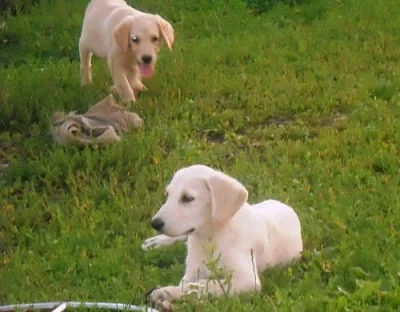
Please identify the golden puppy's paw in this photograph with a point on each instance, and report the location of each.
(86, 77)
(85, 81)
(121, 96)
(138, 87)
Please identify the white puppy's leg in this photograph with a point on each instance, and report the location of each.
(85, 56)
(168, 293)
(161, 240)
(201, 287)
(194, 271)
(204, 286)
(244, 277)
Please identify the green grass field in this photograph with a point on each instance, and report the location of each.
(300, 103)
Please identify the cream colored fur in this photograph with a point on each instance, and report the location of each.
(126, 38)
(211, 210)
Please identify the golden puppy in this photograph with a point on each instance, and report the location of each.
(127, 38)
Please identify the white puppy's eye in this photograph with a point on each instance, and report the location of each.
(186, 199)
(135, 39)
(154, 39)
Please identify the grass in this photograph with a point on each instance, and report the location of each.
(300, 103)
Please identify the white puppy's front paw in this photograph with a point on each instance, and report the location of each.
(196, 288)
(157, 297)
(152, 242)
(164, 306)
(155, 242)
(160, 295)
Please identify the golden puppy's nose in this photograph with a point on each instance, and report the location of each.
(147, 59)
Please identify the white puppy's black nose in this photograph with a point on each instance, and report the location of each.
(157, 224)
(147, 59)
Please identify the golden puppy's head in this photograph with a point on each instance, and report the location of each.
(141, 35)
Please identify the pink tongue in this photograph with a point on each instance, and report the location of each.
(146, 70)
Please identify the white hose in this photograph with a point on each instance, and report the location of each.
(61, 306)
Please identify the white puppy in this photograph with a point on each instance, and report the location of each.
(211, 210)
(127, 38)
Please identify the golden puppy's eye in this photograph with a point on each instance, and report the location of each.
(154, 39)
(135, 39)
(186, 199)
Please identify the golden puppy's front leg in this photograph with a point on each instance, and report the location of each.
(86, 64)
(138, 86)
(134, 80)
(121, 83)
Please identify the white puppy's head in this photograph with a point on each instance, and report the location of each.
(198, 200)
(141, 35)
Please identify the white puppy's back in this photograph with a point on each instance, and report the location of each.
(284, 232)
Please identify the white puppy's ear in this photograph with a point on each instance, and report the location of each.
(227, 196)
(166, 30)
(121, 34)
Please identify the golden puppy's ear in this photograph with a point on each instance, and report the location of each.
(121, 34)
(227, 197)
(166, 30)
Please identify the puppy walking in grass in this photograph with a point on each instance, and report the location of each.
(127, 38)
(210, 208)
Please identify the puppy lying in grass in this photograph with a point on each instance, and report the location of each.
(127, 38)
(210, 209)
